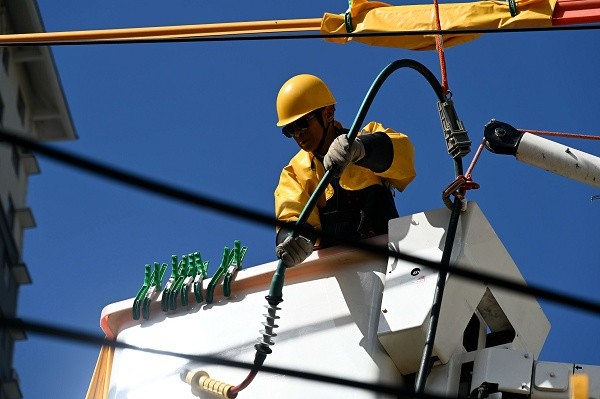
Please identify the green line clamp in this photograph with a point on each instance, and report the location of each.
(152, 284)
(158, 274)
(231, 263)
(175, 270)
(201, 273)
(181, 274)
(188, 277)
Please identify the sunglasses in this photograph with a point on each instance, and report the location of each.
(299, 125)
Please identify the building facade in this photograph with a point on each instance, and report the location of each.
(32, 103)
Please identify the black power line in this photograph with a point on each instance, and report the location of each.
(201, 201)
(69, 334)
(296, 36)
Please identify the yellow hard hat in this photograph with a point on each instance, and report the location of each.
(299, 96)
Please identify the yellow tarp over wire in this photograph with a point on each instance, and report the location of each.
(371, 16)
(367, 17)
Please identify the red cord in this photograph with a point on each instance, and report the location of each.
(469, 173)
(439, 45)
(235, 390)
(559, 134)
(462, 183)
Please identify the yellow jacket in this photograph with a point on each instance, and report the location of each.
(300, 177)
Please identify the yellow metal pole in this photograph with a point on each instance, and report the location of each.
(217, 29)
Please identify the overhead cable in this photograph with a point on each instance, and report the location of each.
(17, 41)
(201, 201)
(69, 334)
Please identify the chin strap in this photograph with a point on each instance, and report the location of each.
(325, 129)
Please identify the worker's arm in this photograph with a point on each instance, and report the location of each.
(390, 155)
(401, 171)
(378, 152)
(296, 183)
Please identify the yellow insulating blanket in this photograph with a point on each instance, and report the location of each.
(371, 16)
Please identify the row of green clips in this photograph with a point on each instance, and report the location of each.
(187, 275)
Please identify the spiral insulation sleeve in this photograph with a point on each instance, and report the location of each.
(267, 333)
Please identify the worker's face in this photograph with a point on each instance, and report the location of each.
(307, 131)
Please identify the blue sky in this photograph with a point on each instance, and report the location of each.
(201, 116)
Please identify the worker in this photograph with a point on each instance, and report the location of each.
(359, 202)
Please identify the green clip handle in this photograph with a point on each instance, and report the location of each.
(181, 271)
(158, 274)
(198, 290)
(164, 301)
(190, 274)
(210, 290)
(182, 291)
(227, 286)
(170, 287)
(201, 273)
(142, 292)
(236, 260)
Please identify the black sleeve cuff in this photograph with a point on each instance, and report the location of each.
(379, 152)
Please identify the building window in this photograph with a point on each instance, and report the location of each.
(11, 214)
(5, 273)
(21, 107)
(16, 159)
(1, 110)
(4, 338)
(5, 60)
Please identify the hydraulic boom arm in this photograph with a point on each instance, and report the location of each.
(502, 138)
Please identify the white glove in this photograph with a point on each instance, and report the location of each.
(294, 250)
(341, 153)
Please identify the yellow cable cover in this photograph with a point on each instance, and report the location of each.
(367, 17)
(371, 16)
